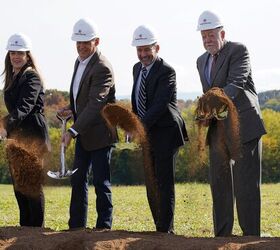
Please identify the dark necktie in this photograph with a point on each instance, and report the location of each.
(213, 65)
(142, 94)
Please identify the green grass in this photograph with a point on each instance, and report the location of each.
(193, 215)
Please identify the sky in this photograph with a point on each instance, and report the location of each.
(49, 24)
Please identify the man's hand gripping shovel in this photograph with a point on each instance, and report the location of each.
(62, 173)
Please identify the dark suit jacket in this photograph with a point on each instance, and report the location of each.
(24, 102)
(96, 90)
(233, 74)
(162, 120)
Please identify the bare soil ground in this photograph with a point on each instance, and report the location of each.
(23, 238)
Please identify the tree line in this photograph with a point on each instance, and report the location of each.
(127, 168)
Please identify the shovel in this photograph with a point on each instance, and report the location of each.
(62, 173)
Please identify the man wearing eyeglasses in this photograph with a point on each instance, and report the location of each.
(226, 65)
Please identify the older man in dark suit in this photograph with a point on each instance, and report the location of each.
(92, 87)
(154, 101)
(226, 65)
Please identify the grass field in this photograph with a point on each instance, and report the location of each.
(193, 216)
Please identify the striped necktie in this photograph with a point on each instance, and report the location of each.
(142, 94)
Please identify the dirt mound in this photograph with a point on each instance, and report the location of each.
(22, 238)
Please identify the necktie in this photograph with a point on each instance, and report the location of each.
(142, 94)
(213, 64)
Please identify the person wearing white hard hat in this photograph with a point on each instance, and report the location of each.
(154, 101)
(25, 122)
(92, 87)
(226, 65)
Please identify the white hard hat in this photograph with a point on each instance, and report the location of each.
(143, 36)
(19, 42)
(208, 20)
(84, 30)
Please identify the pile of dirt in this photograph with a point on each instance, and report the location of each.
(121, 115)
(214, 107)
(26, 167)
(21, 238)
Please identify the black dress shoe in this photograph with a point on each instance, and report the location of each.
(166, 231)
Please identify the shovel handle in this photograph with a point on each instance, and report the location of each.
(62, 159)
(62, 174)
(64, 118)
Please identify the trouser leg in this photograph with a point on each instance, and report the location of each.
(37, 207)
(24, 211)
(79, 182)
(165, 174)
(31, 209)
(221, 186)
(247, 172)
(102, 183)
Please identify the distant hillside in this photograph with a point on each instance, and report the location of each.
(55, 99)
(180, 96)
(270, 94)
(270, 99)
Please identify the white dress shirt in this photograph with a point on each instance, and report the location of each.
(78, 76)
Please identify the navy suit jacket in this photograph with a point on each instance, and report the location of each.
(162, 120)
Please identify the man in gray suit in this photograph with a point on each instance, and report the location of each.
(226, 65)
(92, 87)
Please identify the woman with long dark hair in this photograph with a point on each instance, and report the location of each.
(25, 124)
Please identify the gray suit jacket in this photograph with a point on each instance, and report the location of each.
(233, 73)
(96, 90)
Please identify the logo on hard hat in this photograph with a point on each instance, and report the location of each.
(204, 21)
(79, 33)
(208, 20)
(16, 44)
(140, 37)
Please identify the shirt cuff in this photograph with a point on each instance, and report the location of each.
(73, 132)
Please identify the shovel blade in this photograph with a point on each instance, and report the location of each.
(60, 176)
(70, 172)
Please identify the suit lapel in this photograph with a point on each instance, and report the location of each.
(73, 77)
(135, 77)
(204, 81)
(136, 73)
(220, 60)
(152, 70)
(87, 69)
